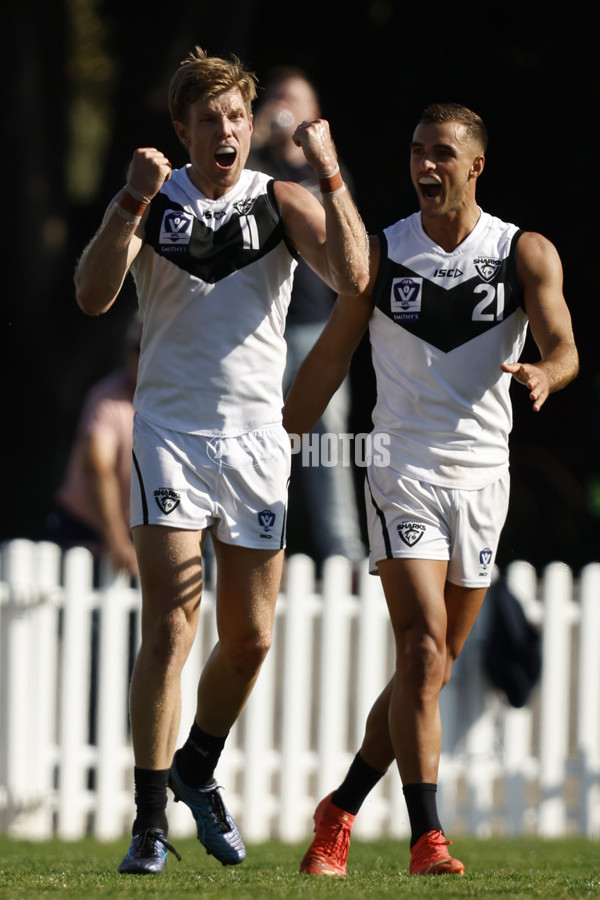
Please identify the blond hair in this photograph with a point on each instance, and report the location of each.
(200, 75)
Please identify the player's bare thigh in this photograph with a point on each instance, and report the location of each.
(414, 592)
(420, 599)
(170, 561)
(248, 583)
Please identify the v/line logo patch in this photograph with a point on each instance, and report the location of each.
(405, 299)
(176, 227)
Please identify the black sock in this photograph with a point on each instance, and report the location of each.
(150, 799)
(359, 781)
(198, 758)
(421, 802)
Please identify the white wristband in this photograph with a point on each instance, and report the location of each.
(128, 216)
(136, 194)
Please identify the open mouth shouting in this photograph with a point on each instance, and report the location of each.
(225, 157)
(429, 186)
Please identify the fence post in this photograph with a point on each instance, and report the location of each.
(18, 696)
(554, 711)
(295, 708)
(113, 757)
(334, 674)
(588, 709)
(519, 763)
(74, 757)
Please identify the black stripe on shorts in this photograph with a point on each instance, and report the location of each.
(384, 528)
(142, 491)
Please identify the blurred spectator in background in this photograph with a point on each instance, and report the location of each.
(92, 504)
(322, 498)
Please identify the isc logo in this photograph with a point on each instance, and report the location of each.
(447, 273)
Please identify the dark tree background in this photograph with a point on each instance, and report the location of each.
(85, 82)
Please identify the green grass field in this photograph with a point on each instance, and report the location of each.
(498, 868)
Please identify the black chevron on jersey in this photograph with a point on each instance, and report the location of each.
(446, 317)
(213, 254)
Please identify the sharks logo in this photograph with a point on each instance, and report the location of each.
(167, 500)
(243, 207)
(486, 266)
(411, 532)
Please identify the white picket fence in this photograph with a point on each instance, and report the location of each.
(534, 770)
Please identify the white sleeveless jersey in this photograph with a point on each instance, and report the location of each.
(442, 325)
(214, 279)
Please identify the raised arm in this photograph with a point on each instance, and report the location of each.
(328, 362)
(540, 274)
(101, 270)
(330, 237)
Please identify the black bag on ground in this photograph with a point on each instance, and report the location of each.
(512, 648)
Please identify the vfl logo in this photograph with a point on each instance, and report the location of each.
(487, 267)
(406, 294)
(176, 227)
(411, 532)
(167, 500)
(485, 557)
(266, 519)
(405, 299)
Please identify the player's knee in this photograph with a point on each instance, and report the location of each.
(169, 639)
(421, 663)
(246, 653)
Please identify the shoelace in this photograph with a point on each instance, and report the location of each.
(149, 838)
(437, 839)
(218, 811)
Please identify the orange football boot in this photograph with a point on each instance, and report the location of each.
(429, 856)
(328, 853)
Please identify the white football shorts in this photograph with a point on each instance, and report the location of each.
(410, 519)
(234, 486)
